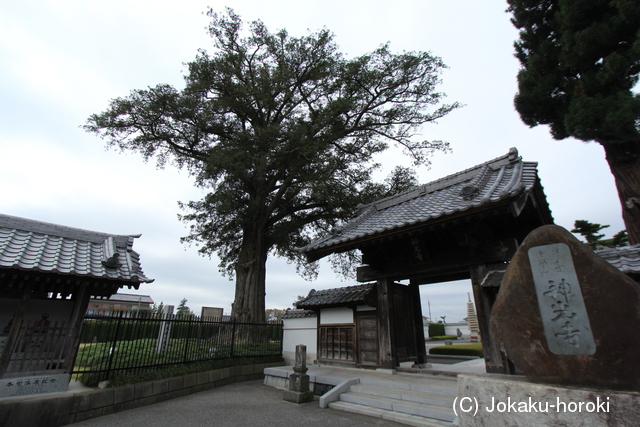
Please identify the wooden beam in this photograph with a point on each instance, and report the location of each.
(417, 319)
(446, 266)
(18, 318)
(495, 361)
(81, 298)
(386, 345)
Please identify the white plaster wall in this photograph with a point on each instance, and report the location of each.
(336, 315)
(452, 329)
(300, 331)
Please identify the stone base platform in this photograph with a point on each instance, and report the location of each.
(493, 400)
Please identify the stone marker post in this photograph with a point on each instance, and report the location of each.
(165, 330)
(299, 381)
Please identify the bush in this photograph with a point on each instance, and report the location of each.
(436, 329)
(459, 350)
(445, 337)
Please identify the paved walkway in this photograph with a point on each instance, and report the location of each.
(251, 403)
(247, 403)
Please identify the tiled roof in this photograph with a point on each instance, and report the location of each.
(298, 314)
(502, 178)
(624, 258)
(30, 245)
(335, 297)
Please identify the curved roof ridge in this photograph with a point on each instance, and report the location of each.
(51, 229)
(469, 173)
(494, 181)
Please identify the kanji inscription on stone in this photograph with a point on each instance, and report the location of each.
(564, 315)
(34, 385)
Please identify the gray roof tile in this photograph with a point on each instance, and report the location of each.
(336, 296)
(298, 314)
(31, 245)
(624, 258)
(491, 182)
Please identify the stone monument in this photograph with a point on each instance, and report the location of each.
(570, 321)
(299, 381)
(566, 316)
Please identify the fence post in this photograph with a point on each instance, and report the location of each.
(233, 337)
(165, 329)
(281, 337)
(186, 342)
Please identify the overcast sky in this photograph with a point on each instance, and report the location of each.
(64, 60)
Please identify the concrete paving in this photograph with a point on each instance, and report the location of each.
(252, 403)
(248, 403)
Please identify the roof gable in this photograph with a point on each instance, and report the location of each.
(504, 178)
(30, 245)
(325, 298)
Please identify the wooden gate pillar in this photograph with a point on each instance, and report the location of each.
(495, 361)
(7, 352)
(387, 348)
(417, 320)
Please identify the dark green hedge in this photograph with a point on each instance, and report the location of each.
(445, 337)
(459, 350)
(436, 329)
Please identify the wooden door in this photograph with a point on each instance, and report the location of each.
(403, 324)
(367, 326)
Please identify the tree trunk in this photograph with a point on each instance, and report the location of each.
(624, 162)
(251, 267)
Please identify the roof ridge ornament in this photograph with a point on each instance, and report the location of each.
(110, 253)
(513, 155)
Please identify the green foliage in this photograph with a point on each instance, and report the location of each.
(157, 308)
(445, 337)
(183, 310)
(436, 329)
(588, 230)
(474, 349)
(620, 239)
(280, 132)
(580, 61)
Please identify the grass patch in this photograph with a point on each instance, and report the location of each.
(474, 349)
(444, 337)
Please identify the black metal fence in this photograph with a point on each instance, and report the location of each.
(117, 343)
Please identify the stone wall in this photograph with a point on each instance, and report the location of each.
(504, 400)
(59, 411)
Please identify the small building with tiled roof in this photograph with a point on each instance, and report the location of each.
(458, 227)
(120, 302)
(326, 321)
(48, 273)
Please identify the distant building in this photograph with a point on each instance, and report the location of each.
(120, 302)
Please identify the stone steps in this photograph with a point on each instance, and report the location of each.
(428, 402)
(425, 397)
(398, 417)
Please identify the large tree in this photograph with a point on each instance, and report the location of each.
(580, 63)
(281, 132)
